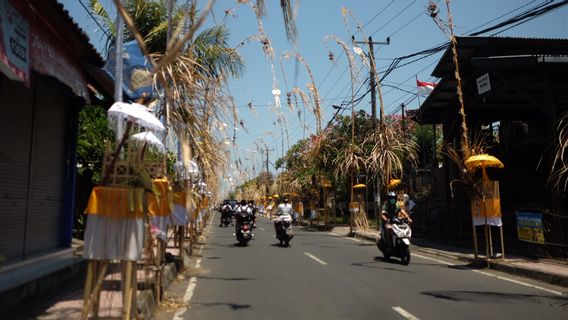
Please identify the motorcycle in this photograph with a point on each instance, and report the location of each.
(399, 246)
(244, 233)
(226, 217)
(284, 232)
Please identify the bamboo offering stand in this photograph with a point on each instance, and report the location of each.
(485, 204)
(111, 210)
(118, 228)
(357, 207)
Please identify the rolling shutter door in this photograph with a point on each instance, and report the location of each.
(46, 206)
(15, 138)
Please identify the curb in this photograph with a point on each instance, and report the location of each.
(550, 278)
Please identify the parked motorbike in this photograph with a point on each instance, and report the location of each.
(284, 232)
(399, 245)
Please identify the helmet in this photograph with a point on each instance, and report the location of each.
(251, 201)
(285, 199)
(243, 202)
(391, 198)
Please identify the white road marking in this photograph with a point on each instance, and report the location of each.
(315, 258)
(190, 289)
(186, 298)
(404, 313)
(519, 282)
(495, 276)
(432, 259)
(350, 238)
(261, 229)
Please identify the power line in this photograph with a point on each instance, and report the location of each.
(94, 19)
(395, 16)
(375, 17)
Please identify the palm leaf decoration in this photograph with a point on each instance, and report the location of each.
(389, 152)
(559, 174)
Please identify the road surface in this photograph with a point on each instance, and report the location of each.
(326, 276)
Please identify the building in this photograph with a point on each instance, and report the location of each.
(46, 65)
(514, 93)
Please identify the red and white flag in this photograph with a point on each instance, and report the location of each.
(424, 88)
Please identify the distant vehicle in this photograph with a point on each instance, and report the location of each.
(232, 203)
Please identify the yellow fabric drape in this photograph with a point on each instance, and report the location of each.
(160, 202)
(491, 207)
(122, 203)
(179, 198)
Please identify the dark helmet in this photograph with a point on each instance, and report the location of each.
(243, 202)
(391, 197)
(251, 201)
(285, 199)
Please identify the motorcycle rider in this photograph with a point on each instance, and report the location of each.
(390, 211)
(242, 213)
(225, 210)
(253, 210)
(284, 213)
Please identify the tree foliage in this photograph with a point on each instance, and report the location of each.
(93, 132)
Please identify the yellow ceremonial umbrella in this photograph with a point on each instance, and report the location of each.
(393, 183)
(359, 186)
(483, 161)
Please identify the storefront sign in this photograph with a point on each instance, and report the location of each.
(14, 43)
(483, 84)
(530, 227)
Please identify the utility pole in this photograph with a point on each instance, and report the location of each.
(373, 84)
(267, 172)
(402, 106)
(373, 74)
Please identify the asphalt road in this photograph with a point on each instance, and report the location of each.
(322, 276)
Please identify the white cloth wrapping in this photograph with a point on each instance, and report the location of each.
(109, 238)
(179, 215)
(494, 221)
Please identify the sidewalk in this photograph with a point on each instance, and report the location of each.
(65, 300)
(546, 270)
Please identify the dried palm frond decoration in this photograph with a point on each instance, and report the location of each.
(448, 30)
(389, 153)
(559, 175)
(351, 160)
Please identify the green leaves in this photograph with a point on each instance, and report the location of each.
(93, 131)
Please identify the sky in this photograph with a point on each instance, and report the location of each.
(405, 22)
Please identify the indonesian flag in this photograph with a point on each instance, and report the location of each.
(424, 88)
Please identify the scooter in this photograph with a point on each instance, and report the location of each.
(284, 233)
(399, 246)
(244, 232)
(225, 218)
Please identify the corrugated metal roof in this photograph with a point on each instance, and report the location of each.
(59, 19)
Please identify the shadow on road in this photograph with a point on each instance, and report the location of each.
(233, 306)
(381, 265)
(226, 279)
(495, 297)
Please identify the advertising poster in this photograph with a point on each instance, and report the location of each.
(530, 227)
